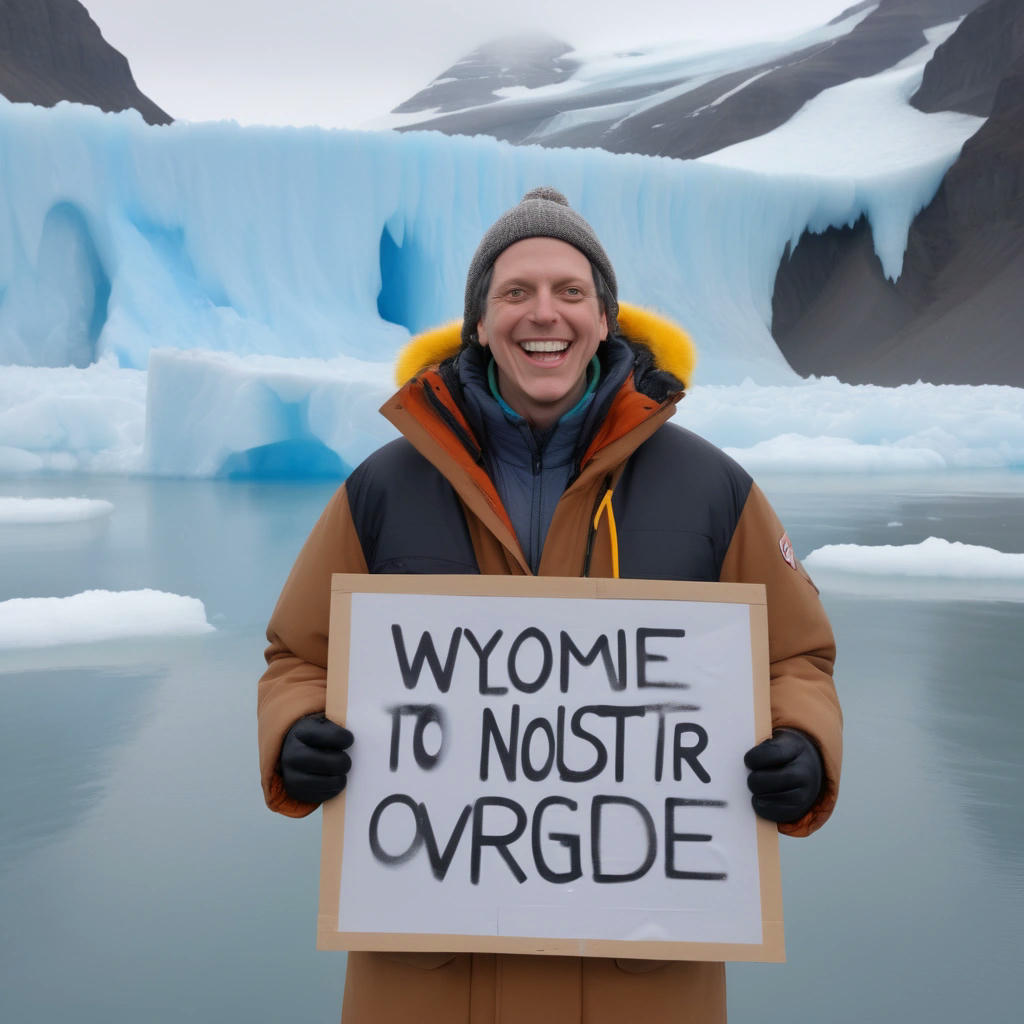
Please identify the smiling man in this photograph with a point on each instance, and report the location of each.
(536, 442)
(542, 323)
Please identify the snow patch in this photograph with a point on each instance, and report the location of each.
(865, 133)
(600, 70)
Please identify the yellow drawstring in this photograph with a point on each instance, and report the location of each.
(606, 505)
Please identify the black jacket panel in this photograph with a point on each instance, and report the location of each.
(408, 517)
(676, 506)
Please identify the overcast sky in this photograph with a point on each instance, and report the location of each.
(339, 63)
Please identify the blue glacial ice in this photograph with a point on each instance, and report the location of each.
(895, 155)
(206, 299)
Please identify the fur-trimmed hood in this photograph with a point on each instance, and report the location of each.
(670, 346)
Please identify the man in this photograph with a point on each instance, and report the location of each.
(536, 442)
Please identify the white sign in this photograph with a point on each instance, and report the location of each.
(534, 770)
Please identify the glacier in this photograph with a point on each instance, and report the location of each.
(211, 300)
(896, 154)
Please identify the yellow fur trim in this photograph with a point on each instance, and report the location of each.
(428, 349)
(673, 349)
(671, 346)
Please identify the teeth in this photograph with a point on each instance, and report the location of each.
(545, 346)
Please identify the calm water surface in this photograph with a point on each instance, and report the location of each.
(142, 880)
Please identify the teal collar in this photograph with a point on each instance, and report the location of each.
(593, 376)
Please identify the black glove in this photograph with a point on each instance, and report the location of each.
(314, 764)
(785, 777)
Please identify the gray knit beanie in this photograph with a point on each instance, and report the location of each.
(542, 213)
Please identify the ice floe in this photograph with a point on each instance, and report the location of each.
(99, 615)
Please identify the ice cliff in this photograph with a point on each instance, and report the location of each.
(204, 299)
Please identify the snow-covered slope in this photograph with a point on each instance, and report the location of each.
(671, 99)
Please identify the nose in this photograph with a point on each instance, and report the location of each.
(542, 309)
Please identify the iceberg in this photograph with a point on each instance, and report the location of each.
(211, 300)
(98, 615)
(71, 419)
(934, 558)
(933, 570)
(219, 414)
(821, 425)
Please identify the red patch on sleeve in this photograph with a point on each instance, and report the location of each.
(786, 547)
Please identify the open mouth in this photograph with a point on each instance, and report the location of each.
(545, 351)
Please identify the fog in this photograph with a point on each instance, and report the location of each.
(338, 65)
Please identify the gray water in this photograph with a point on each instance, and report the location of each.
(142, 879)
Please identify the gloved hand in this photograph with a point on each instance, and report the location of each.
(786, 775)
(314, 765)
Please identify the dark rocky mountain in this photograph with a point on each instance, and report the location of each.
(528, 60)
(956, 313)
(967, 69)
(699, 121)
(52, 50)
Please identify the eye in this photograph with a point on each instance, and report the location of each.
(515, 292)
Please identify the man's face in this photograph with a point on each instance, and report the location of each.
(543, 323)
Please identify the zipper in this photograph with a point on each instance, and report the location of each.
(592, 529)
(536, 504)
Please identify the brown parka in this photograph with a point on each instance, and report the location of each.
(394, 988)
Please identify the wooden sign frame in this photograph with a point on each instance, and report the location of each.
(771, 948)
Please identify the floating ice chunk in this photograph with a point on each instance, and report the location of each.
(935, 569)
(914, 426)
(69, 419)
(221, 414)
(98, 615)
(215, 414)
(18, 511)
(933, 557)
(795, 452)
